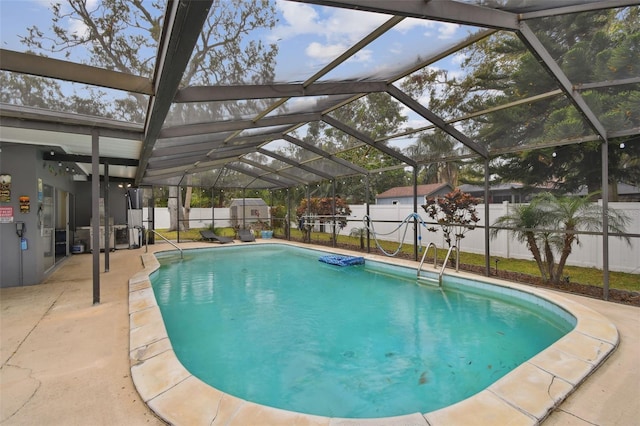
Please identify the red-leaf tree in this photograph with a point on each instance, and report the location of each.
(323, 207)
(455, 212)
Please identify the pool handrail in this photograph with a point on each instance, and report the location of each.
(146, 242)
(446, 259)
(424, 256)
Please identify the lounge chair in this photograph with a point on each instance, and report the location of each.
(211, 236)
(245, 235)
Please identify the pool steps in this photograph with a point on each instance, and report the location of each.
(435, 259)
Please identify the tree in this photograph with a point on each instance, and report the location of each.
(375, 115)
(323, 207)
(359, 233)
(456, 214)
(589, 47)
(122, 35)
(525, 217)
(435, 146)
(536, 224)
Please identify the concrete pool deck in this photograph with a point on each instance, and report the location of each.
(65, 361)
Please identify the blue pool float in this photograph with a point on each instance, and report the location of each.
(336, 259)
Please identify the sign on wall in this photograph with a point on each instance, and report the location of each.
(6, 214)
(25, 204)
(5, 188)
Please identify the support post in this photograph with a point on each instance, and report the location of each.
(107, 227)
(415, 210)
(95, 213)
(178, 208)
(487, 250)
(151, 223)
(333, 212)
(288, 217)
(244, 208)
(605, 220)
(308, 214)
(367, 195)
(213, 211)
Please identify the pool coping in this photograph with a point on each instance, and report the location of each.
(525, 396)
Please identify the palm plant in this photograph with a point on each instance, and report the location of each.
(535, 223)
(525, 218)
(359, 232)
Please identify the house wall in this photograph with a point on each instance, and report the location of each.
(25, 165)
(399, 200)
(409, 200)
(117, 203)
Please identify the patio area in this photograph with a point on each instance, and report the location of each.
(65, 361)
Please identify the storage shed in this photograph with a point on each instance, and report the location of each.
(246, 211)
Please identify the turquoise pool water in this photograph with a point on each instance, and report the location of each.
(272, 325)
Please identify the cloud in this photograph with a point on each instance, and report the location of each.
(458, 58)
(320, 34)
(327, 26)
(444, 30)
(299, 19)
(77, 26)
(352, 25)
(324, 52)
(447, 30)
(364, 55)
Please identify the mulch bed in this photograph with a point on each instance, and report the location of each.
(618, 296)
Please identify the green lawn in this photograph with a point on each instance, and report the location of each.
(591, 276)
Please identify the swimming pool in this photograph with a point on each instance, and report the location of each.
(556, 383)
(272, 325)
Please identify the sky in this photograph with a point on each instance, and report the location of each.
(314, 35)
(308, 37)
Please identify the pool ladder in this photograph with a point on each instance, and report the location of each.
(435, 260)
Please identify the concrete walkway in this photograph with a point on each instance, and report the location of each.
(66, 361)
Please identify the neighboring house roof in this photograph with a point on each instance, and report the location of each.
(623, 189)
(496, 187)
(407, 191)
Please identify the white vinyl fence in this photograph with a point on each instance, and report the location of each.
(198, 217)
(623, 257)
